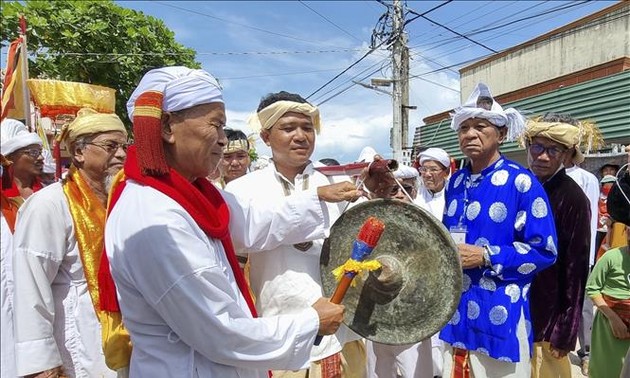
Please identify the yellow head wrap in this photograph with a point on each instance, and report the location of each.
(89, 121)
(563, 133)
(268, 116)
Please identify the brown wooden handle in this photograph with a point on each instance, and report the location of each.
(341, 289)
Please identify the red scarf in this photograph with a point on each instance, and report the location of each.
(200, 199)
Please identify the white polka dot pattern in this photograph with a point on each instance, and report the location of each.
(498, 315)
(473, 210)
(498, 212)
(513, 291)
(522, 248)
(487, 284)
(455, 319)
(458, 181)
(465, 282)
(452, 208)
(525, 291)
(551, 246)
(523, 182)
(521, 218)
(539, 208)
(500, 177)
(526, 268)
(473, 310)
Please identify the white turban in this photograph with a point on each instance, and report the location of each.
(435, 154)
(366, 155)
(14, 135)
(182, 87)
(499, 117)
(405, 172)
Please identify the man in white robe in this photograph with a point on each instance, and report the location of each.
(170, 240)
(434, 170)
(57, 330)
(7, 223)
(409, 360)
(286, 279)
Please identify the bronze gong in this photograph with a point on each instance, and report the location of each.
(416, 291)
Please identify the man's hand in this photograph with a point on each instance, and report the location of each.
(330, 316)
(470, 255)
(342, 191)
(380, 184)
(557, 353)
(56, 372)
(618, 327)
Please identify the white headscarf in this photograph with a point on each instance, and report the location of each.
(49, 161)
(406, 172)
(499, 117)
(366, 155)
(182, 87)
(14, 135)
(435, 154)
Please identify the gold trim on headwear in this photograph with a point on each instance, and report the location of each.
(89, 121)
(267, 117)
(236, 145)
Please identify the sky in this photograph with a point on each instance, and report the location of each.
(258, 47)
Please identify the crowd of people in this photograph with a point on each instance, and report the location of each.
(174, 257)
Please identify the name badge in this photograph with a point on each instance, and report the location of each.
(458, 233)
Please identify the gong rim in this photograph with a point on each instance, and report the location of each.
(419, 287)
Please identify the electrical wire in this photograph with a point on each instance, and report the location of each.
(329, 21)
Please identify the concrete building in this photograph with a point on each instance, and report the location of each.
(582, 68)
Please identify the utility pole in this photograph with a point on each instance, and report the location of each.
(400, 66)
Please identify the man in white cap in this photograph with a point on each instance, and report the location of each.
(48, 172)
(286, 279)
(170, 240)
(499, 216)
(57, 247)
(24, 150)
(434, 168)
(557, 293)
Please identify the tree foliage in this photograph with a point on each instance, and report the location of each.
(96, 42)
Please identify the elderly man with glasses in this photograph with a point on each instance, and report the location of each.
(557, 293)
(24, 150)
(57, 245)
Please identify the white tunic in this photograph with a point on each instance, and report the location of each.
(178, 295)
(590, 185)
(286, 280)
(7, 355)
(55, 322)
(431, 202)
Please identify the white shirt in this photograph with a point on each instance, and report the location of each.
(7, 354)
(178, 295)
(55, 322)
(286, 280)
(431, 202)
(590, 185)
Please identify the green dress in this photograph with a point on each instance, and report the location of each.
(610, 276)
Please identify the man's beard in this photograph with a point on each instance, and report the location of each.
(109, 182)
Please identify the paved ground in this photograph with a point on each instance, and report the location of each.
(575, 366)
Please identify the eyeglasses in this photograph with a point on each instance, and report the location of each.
(110, 146)
(552, 152)
(430, 170)
(407, 188)
(33, 152)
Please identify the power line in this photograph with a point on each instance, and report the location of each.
(329, 21)
(239, 24)
(426, 12)
(456, 32)
(279, 74)
(198, 53)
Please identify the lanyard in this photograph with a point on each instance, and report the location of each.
(472, 184)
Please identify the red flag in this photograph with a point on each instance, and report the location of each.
(12, 95)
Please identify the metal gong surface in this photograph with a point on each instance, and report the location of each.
(418, 288)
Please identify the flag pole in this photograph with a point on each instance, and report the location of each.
(24, 68)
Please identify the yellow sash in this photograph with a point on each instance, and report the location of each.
(88, 217)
